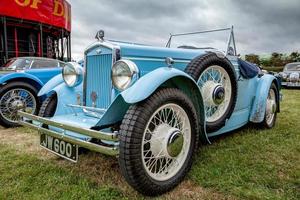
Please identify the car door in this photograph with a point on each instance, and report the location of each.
(44, 69)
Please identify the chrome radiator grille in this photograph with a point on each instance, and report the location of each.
(98, 80)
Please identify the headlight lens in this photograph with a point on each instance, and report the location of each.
(72, 74)
(124, 73)
(284, 75)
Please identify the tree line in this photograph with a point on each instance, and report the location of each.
(275, 60)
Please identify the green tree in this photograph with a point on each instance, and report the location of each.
(253, 58)
(276, 59)
(294, 57)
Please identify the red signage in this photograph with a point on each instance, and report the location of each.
(52, 12)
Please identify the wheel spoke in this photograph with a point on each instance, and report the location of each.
(13, 100)
(155, 156)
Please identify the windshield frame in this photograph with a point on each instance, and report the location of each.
(231, 39)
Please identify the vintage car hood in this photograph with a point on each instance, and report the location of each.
(143, 51)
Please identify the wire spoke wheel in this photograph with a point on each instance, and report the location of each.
(271, 107)
(14, 100)
(158, 138)
(166, 142)
(215, 85)
(216, 78)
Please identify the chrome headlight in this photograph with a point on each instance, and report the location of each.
(294, 77)
(72, 74)
(283, 75)
(124, 73)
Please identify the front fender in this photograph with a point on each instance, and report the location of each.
(10, 76)
(65, 96)
(259, 105)
(52, 83)
(166, 77)
(147, 84)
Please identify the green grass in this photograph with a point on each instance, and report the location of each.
(254, 163)
(248, 164)
(27, 177)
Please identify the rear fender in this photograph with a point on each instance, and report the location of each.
(259, 105)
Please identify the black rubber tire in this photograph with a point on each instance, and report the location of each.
(21, 85)
(49, 105)
(195, 69)
(131, 134)
(264, 123)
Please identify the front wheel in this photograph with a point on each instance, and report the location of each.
(157, 140)
(16, 96)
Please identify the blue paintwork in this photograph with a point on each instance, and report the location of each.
(52, 83)
(259, 105)
(37, 77)
(150, 83)
(154, 73)
(102, 85)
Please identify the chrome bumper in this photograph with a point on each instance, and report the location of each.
(27, 120)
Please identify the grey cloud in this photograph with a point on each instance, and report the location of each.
(260, 26)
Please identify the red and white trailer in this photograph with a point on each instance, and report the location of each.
(35, 28)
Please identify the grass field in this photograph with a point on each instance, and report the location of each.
(247, 164)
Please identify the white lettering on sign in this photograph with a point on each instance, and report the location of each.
(49, 141)
(62, 147)
(56, 145)
(69, 150)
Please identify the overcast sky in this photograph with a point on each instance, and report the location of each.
(260, 26)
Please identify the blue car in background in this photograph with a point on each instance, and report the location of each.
(20, 80)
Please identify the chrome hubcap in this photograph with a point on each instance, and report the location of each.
(218, 95)
(166, 142)
(175, 144)
(271, 106)
(14, 100)
(215, 85)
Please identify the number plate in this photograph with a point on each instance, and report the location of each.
(59, 147)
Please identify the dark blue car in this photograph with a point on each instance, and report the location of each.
(20, 80)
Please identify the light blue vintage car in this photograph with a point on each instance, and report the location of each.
(152, 106)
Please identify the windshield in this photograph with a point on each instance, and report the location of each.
(292, 67)
(17, 64)
(216, 39)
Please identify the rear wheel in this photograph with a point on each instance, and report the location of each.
(271, 108)
(216, 79)
(157, 140)
(17, 96)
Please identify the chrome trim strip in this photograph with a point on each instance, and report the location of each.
(84, 131)
(89, 111)
(154, 59)
(98, 110)
(112, 151)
